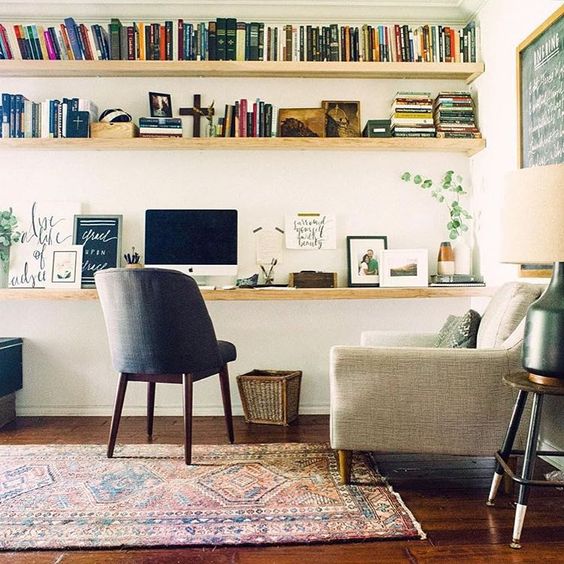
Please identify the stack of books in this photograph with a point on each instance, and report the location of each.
(412, 115)
(160, 127)
(454, 115)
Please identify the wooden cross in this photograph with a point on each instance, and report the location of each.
(197, 112)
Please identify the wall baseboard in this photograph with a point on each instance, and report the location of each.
(137, 410)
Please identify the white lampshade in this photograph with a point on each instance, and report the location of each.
(533, 215)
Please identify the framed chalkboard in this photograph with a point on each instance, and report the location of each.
(540, 92)
(100, 237)
(540, 99)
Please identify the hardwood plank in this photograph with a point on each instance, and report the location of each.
(468, 146)
(270, 294)
(248, 69)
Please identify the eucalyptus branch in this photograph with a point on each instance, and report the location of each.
(8, 232)
(448, 191)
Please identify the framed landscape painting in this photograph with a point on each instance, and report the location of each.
(404, 268)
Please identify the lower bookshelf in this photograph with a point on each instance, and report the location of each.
(274, 294)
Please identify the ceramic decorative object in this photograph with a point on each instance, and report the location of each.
(445, 260)
(462, 257)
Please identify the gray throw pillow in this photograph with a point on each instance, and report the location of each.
(459, 332)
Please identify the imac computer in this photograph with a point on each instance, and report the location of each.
(196, 242)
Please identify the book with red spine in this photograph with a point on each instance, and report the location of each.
(6, 43)
(66, 40)
(162, 43)
(243, 117)
(180, 29)
(86, 42)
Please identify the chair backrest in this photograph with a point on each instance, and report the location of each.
(505, 312)
(157, 322)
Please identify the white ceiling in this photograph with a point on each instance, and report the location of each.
(284, 11)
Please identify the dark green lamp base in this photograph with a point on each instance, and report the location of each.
(543, 345)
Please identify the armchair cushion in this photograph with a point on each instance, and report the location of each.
(459, 332)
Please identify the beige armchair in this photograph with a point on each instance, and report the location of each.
(397, 393)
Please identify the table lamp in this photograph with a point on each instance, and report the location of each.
(533, 233)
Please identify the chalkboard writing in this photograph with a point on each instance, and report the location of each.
(100, 237)
(541, 90)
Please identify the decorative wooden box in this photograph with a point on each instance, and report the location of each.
(117, 130)
(270, 396)
(312, 279)
(10, 377)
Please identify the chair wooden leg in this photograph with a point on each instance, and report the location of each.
(116, 417)
(226, 397)
(150, 406)
(188, 387)
(345, 464)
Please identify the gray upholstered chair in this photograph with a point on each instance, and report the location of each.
(397, 393)
(159, 330)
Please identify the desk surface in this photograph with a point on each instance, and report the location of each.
(271, 294)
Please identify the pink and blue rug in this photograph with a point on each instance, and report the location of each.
(54, 497)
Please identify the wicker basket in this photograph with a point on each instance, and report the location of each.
(270, 396)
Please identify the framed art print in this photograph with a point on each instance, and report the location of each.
(342, 118)
(64, 266)
(404, 267)
(363, 259)
(100, 235)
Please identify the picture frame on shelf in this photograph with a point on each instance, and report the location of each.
(342, 118)
(160, 104)
(363, 259)
(404, 268)
(301, 122)
(100, 236)
(64, 267)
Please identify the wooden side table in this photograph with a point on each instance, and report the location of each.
(521, 382)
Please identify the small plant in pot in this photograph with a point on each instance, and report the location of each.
(8, 236)
(448, 191)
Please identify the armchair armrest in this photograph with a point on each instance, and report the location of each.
(415, 399)
(396, 339)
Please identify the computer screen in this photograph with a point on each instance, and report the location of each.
(196, 242)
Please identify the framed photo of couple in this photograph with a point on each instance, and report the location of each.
(363, 256)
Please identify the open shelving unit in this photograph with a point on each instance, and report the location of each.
(244, 69)
(271, 294)
(468, 146)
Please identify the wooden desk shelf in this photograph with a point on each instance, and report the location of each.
(244, 69)
(468, 146)
(270, 294)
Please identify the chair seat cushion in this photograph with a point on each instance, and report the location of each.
(227, 351)
(459, 332)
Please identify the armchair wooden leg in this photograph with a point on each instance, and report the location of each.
(150, 406)
(188, 386)
(226, 397)
(345, 465)
(116, 417)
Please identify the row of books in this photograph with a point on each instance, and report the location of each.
(230, 39)
(245, 119)
(22, 118)
(454, 115)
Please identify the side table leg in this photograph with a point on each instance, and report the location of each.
(528, 469)
(508, 443)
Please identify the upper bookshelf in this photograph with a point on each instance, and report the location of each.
(246, 69)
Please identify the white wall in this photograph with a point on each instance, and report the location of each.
(67, 367)
(504, 24)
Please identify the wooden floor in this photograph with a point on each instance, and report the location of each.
(446, 495)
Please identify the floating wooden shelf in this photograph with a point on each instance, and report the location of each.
(468, 146)
(246, 69)
(270, 294)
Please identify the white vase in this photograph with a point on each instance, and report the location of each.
(462, 257)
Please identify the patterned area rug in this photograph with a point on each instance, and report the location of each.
(74, 497)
